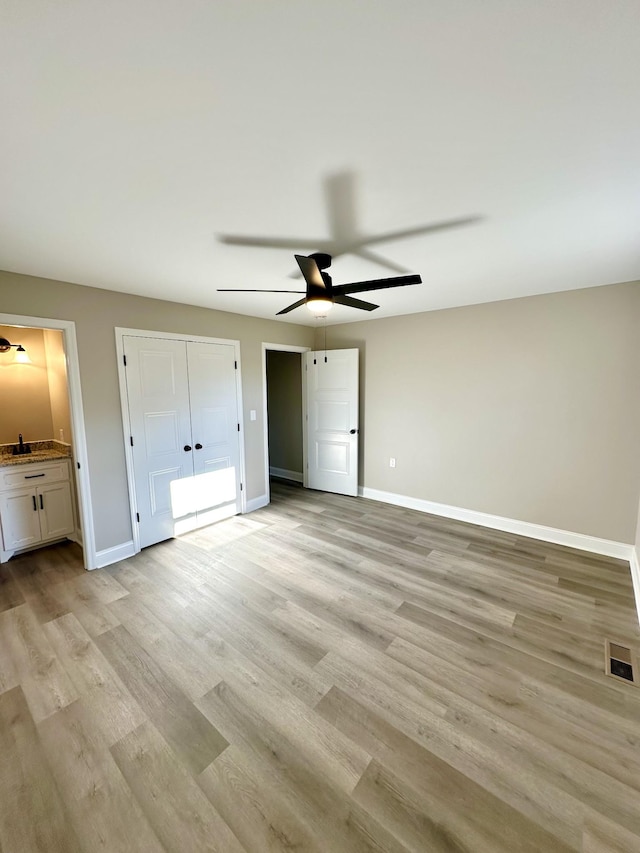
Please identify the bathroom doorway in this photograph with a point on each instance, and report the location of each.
(40, 389)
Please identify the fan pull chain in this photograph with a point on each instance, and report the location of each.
(324, 329)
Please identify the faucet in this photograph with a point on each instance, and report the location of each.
(21, 447)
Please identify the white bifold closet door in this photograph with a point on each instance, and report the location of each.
(183, 411)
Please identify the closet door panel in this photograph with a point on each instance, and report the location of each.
(214, 417)
(158, 398)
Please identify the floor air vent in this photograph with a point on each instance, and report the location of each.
(620, 662)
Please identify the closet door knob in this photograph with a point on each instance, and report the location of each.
(198, 447)
(187, 447)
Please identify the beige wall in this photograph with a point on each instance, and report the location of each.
(24, 389)
(527, 408)
(284, 402)
(96, 312)
(58, 386)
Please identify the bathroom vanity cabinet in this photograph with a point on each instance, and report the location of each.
(36, 505)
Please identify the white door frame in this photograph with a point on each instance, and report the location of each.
(265, 413)
(68, 329)
(126, 423)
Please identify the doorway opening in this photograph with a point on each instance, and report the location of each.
(284, 413)
(327, 397)
(42, 405)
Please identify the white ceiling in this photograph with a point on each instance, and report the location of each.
(135, 133)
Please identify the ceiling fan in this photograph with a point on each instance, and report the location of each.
(345, 233)
(321, 294)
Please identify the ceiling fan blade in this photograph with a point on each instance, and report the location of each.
(378, 259)
(377, 284)
(256, 290)
(292, 307)
(311, 272)
(268, 242)
(423, 229)
(354, 303)
(340, 197)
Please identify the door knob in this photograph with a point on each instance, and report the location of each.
(187, 447)
(198, 446)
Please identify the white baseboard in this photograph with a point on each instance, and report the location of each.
(580, 541)
(115, 554)
(285, 474)
(257, 503)
(634, 562)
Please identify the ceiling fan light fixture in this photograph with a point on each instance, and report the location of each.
(319, 307)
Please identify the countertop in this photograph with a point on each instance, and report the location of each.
(41, 451)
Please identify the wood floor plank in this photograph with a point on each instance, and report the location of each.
(164, 646)
(454, 812)
(178, 811)
(287, 662)
(268, 704)
(504, 697)
(325, 809)
(190, 735)
(87, 607)
(110, 705)
(102, 810)
(10, 593)
(36, 667)
(37, 591)
(326, 674)
(411, 816)
(602, 835)
(254, 806)
(495, 769)
(33, 813)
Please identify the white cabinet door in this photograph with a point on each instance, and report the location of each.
(55, 510)
(332, 420)
(158, 396)
(20, 519)
(214, 424)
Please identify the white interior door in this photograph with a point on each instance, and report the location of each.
(158, 398)
(215, 430)
(332, 420)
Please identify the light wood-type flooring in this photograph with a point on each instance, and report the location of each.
(327, 674)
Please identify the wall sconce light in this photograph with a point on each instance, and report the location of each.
(22, 356)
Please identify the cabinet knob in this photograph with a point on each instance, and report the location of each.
(198, 446)
(187, 447)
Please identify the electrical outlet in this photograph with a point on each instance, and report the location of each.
(392, 462)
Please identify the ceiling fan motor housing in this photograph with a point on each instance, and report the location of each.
(322, 259)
